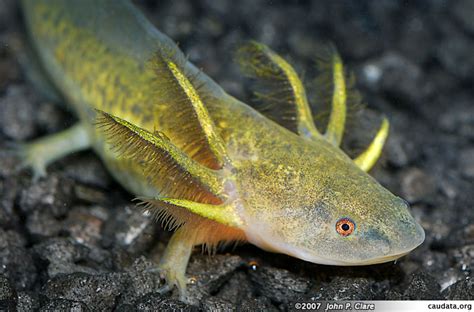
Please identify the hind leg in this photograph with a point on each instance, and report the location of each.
(39, 153)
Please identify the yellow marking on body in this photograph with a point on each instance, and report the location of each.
(369, 157)
(224, 214)
(337, 119)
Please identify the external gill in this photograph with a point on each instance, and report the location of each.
(191, 129)
(284, 91)
(191, 188)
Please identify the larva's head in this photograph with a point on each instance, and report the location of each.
(328, 211)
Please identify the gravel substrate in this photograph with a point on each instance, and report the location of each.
(73, 240)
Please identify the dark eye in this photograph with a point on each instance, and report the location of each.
(345, 226)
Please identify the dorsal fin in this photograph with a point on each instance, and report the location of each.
(191, 128)
(164, 165)
(280, 92)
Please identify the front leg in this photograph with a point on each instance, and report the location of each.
(38, 154)
(175, 260)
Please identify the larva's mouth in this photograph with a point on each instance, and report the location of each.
(313, 258)
(391, 254)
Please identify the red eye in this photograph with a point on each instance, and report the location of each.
(345, 226)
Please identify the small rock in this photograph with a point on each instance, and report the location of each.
(211, 304)
(42, 224)
(9, 163)
(59, 249)
(459, 118)
(394, 74)
(398, 150)
(61, 255)
(463, 10)
(176, 23)
(27, 301)
(91, 194)
(8, 299)
(344, 288)
(53, 193)
(464, 257)
(449, 277)
(422, 286)
(416, 185)
(365, 38)
(454, 52)
(11, 238)
(237, 289)
(466, 163)
(52, 117)
(435, 261)
(18, 265)
(142, 280)
(16, 114)
(88, 170)
(279, 285)
(65, 305)
(414, 29)
(9, 71)
(210, 273)
(256, 304)
(7, 14)
(394, 294)
(126, 308)
(175, 305)
(8, 192)
(462, 290)
(449, 186)
(148, 302)
(84, 225)
(130, 228)
(100, 292)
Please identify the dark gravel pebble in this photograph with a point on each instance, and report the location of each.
(27, 301)
(463, 11)
(417, 185)
(345, 288)
(422, 286)
(16, 120)
(8, 298)
(209, 274)
(466, 163)
(453, 52)
(216, 304)
(98, 291)
(64, 305)
(279, 285)
(397, 76)
(462, 290)
(130, 229)
(17, 263)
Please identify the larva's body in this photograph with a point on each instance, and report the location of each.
(217, 167)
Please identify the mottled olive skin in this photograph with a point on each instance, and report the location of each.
(295, 191)
(288, 191)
